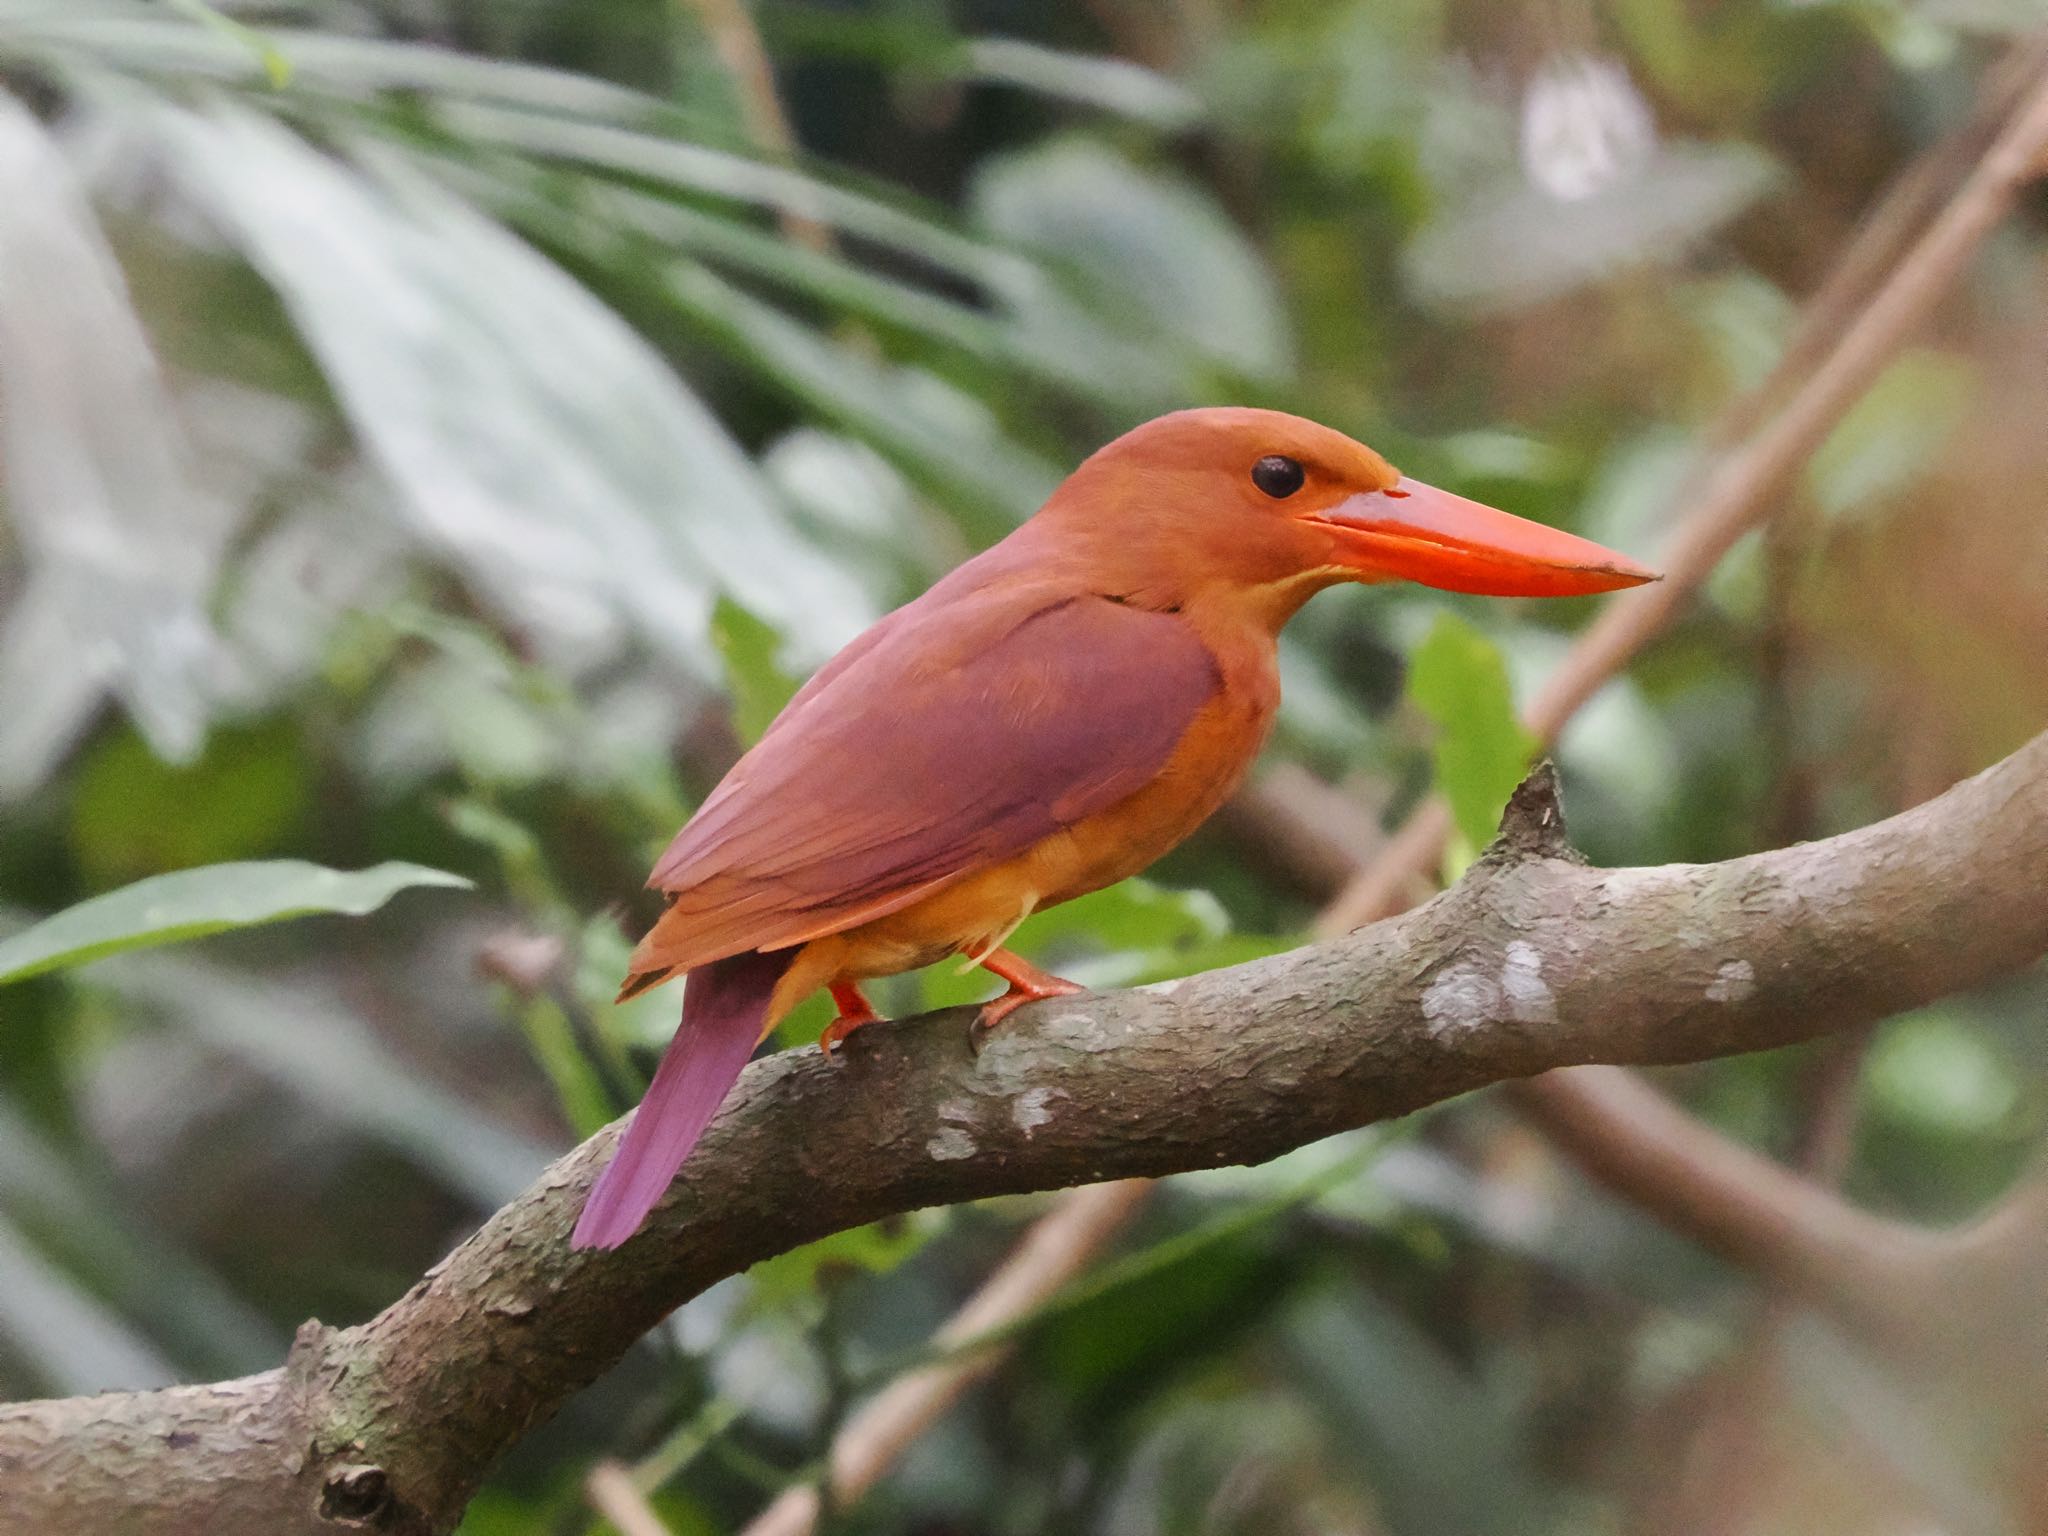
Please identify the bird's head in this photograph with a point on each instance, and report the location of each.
(1270, 508)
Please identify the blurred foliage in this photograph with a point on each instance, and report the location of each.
(755, 682)
(1458, 679)
(439, 432)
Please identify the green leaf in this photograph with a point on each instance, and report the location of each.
(123, 547)
(529, 198)
(1123, 935)
(873, 1249)
(1163, 1321)
(1132, 914)
(167, 909)
(935, 434)
(1237, 1220)
(1458, 679)
(884, 220)
(749, 646)
(1089, 80)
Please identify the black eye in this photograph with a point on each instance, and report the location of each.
(1278, 476)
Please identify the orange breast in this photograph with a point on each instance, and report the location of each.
(979, 910)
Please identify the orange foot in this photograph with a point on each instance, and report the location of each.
(1027, 985)
(855, 1011)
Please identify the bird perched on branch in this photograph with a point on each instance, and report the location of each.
(1049, 718)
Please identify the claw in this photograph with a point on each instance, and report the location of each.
(855, 1012)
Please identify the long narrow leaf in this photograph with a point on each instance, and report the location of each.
(74, 1344)
(706, 169)
(960, 450)
(539, 443)
(122, 549)
(139, 1269)
(192, 903)
(310, 1043)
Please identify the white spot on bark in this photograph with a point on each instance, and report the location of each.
(1032, 1109)
(1637, 883)
(1463, 997)
(1002, 1051)
(1521, 982)
(1734, 981)
(950, 1145)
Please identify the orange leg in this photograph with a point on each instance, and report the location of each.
(854, 1012)
(1027, 985)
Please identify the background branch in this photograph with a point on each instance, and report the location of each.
(1533, 961)
(1739, 482)
(1054, 1250)
(613, 1494)
(737, 42)
(1737, 1202)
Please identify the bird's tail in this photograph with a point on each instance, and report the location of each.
(725, 1013)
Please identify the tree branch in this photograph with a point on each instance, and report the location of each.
(1533, 961)
(1758, 1213)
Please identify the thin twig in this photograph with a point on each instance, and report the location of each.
(737, 42)
(1052, 1252)
(610, 1488)
(1737, 491)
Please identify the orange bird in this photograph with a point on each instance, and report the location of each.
(1048, 719)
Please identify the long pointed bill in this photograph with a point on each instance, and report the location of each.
(1415, 532)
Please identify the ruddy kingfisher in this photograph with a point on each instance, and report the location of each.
(1049, 718)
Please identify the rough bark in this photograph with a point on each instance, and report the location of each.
(1533, 961)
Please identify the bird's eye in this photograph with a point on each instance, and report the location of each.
(1278, 476)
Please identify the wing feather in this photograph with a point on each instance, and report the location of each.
(940, 748)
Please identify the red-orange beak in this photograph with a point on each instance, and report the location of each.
(1415, 532)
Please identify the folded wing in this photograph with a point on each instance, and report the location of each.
(946, 745)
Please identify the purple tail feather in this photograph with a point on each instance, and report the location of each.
(725, 1005)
